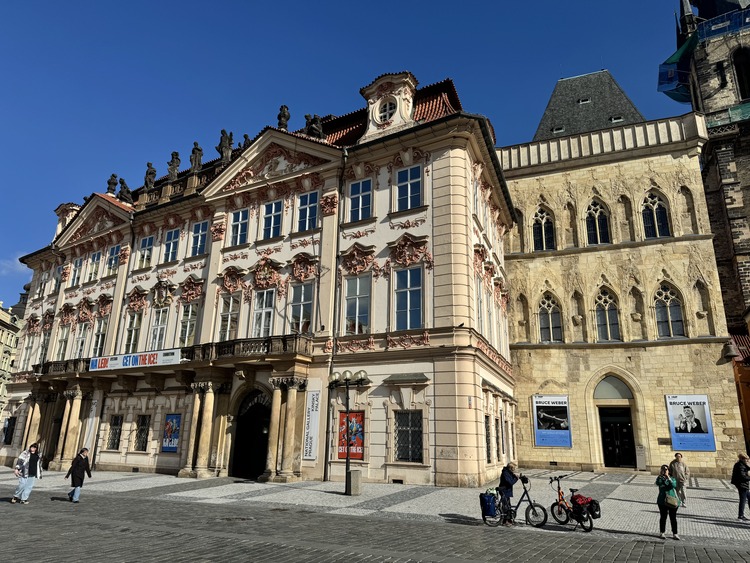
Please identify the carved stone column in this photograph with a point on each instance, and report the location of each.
(288, 447)
(273, 432)
(74, 425)
(187, 469)
(32, 422)
(63, 431)
(204, 443)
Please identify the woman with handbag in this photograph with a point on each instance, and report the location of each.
(667, 501)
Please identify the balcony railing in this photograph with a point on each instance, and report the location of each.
(79, 365)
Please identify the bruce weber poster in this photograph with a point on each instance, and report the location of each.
(171, 438)
(552, 421)
(690, 423)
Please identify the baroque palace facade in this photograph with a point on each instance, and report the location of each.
(197, 324)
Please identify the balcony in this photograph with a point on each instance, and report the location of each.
(271, 346)
(79, 365)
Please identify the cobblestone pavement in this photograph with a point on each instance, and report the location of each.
(144, 517)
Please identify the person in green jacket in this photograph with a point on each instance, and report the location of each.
(667, 501)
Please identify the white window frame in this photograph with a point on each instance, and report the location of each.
(358, 210)
(95, 261)
(171, 245)
(43, 281)
(405, 188)
(44, 346)
(146, 251)
(272, 219)
(100, 336)
(63, 336)
(264, 312)
(240, 227)
(159, 321)
(412, 294)
(76, 271)
(188, 324)
(307, 211)
(133, 331)
(79, 344)
(200, 236)
(229, 316)
(355, 301)
(301, 299)
(113, 260)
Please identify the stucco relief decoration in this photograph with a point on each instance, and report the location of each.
(266, 275)
(172, 221)
(275, 161)
(218, 230)
(85, 311)
(383, 271)
(494, 356)
(358, 234)
(408, 224)
(232, 256)
(166, 274)
(192, 290)
(480, 256)
(361, 170)
(65, 274)
(357, 260)
(100, 220)
(140, 278)
(192, 267)
(304, 268)
(407, 158)
(89, 290)
(407, 341)
(308, 182)
(488, 274)
(33, 325)
(124, 254)
(201, 213)
(67, 315)
(137, 300)
(231, 280)
(355, 345)
(269, 250)
(329, 204)
(145, 229)
(162, 294)
(408, 251)
(305, 242)
(104, 306)
(47, 319)
(328, 346)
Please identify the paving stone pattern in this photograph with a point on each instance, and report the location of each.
(136, 517)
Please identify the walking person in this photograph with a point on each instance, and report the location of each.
(508, 478)
(681, 472)
(741, 480)
(78, 469)
(667, 501)
(28, 469)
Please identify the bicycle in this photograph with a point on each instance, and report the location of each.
(583, 509)
(536, 514)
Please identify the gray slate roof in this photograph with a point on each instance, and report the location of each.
(581, 104)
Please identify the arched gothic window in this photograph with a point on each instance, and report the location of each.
(655, 217)
(544, 230)
(550, 325)
(607, 319)
(741, 60)
(597, 224)
(668, 312)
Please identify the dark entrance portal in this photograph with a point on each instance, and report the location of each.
(251, 436)
(617, 436)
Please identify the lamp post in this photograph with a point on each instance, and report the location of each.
(346, 379)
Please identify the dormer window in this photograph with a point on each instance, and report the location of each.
(387, 110)
(616, 119)
(582, 101)
(558, 129)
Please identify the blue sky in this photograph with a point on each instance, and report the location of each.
(91, 88)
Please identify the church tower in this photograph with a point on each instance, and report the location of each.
(711, 71)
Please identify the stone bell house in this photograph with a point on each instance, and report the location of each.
(615, 297)
(193, 326)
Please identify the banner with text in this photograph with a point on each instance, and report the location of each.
(312, 423)
(356, 435)
(146, 359)
(690, 423)
(552, 421)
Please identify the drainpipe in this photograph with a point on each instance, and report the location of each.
(336, 314)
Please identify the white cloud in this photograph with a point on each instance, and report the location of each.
(12, 267)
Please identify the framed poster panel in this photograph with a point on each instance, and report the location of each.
(171, 437)
(552, 421)
(356, 435)
(690, 424)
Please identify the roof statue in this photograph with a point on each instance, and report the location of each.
(125, 195)
(173, 166)
(283, 117)
(246, 141)
(150, 177)
(314, 126)
(224, 148)
(196, 157)
(112, 184)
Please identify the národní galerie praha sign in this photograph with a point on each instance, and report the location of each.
(146, 359)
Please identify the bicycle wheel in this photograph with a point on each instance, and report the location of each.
(536, 515)
(587, 524)
(559, 513)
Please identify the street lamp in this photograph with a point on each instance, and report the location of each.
(346, 379)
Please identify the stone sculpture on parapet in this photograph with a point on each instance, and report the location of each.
(173, 166)
(196, 158)
(283, 117)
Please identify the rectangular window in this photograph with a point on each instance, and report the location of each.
(171, 244)
(96, 258)
(479, 291)
(358, 305)
(188, 323)
(145, 251)
(239, 227)
(62, 342)
(300, 314)
(132, 332)
(198, 245)
(487, 438)
(308, 212)
(409, 188)
(141, 432)
(80, 341)
(75, 276)
(272, 220)
(263, 313)
(409, 298)
(100, 334)
(27, 347)
(230, 314)
(58, 279)
(408, 436)
(159, 328)
(360, 200)
(9, 430)
(498, 438)
(43, 281)
(44, 347)
(113, 260)
(115, 431)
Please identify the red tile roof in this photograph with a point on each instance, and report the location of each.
(742, 343)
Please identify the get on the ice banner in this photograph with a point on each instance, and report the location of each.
(552, 421)
(690, 423)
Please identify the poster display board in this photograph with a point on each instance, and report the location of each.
(171, 438)
(356, 435)
(690, 425)
(552, 421)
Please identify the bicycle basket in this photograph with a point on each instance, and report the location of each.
(487, 504)
(595, 509)
(580, 500)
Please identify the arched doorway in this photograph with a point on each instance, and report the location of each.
(614, 400)
(251, 436)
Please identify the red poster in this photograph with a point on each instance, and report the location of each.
(356, 435)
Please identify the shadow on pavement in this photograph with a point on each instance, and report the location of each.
(65, 499)
(461, 519)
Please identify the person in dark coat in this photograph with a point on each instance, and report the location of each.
(508, 478)
(78, 469)
(741, 480)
